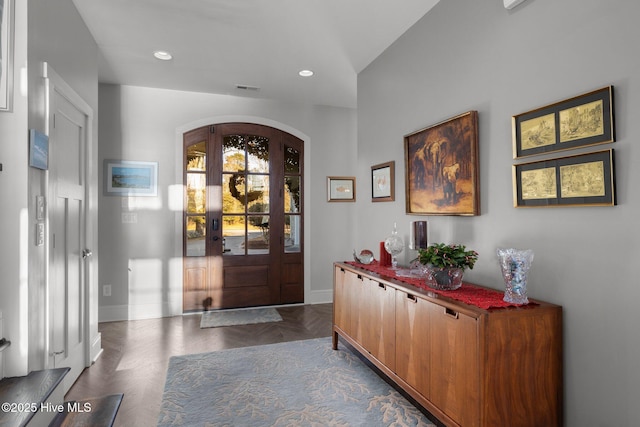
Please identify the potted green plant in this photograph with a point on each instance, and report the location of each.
(445, 264)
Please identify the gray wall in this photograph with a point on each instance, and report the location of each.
(142, 261)
(14, 207)
(475, 55)
(50, 32)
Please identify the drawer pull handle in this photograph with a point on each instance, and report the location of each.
(382, 286)
(412, 298)
(359, 277)
(451, 313)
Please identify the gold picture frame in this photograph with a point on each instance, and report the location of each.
(341, 189)
(579, 180)
(383, 182)
(584, 120)
(441, 168)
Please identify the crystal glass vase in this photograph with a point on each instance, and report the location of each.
(444, 278)
(394, 245)
(515, 265)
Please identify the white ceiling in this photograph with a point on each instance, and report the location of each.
(219, 44)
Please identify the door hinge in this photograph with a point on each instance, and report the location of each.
(212, 129)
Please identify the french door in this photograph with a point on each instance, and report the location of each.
(243, 242)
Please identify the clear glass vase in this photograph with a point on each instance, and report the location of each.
(515, 265)
(444, 278)
(394, 245)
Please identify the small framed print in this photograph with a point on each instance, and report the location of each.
(383, 182)
(581, 180)
(38, 150)
(130, 178)
(341, 189)
(576, 122)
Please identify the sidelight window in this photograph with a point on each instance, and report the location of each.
(196, 200)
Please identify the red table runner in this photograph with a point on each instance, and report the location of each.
(469, 294)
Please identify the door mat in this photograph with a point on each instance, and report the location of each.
(215, 319)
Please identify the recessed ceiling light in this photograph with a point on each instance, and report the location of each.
(306, 73)
(163, 55)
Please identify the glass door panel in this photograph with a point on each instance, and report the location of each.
(257, 154)
(292, 200)
(196, 193)
(258, 235)
(196, 157)
(292, 194)
(233, 154)
(291, 161)
(196, 200)
(258, 193)
(233, 193)
(245, 194)
(292, 233)
(196, 235)
(233, 235)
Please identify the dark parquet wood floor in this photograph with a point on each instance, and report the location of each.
(136, 354)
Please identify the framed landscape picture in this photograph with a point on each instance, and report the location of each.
(580, 121)
(383, 182)
(441, 168)
(38, 150)
(580, 180)
(130, 178)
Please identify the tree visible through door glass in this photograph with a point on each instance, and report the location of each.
(245, 195)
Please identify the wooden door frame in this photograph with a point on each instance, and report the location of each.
(177, 279)
(245, 275)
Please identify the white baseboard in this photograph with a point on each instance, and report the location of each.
(113, 313)
(152, 311)
(319, 297)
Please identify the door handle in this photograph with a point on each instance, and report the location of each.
(216, 238)
(86, 253)
(451, 313)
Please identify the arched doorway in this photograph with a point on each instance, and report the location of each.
(243, 217)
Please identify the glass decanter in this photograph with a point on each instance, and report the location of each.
(394, 245)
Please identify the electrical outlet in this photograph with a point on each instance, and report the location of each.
(106, 290)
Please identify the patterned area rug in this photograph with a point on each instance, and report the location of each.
(214, 319)
(300, 383)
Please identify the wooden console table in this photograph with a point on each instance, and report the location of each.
(466, 365)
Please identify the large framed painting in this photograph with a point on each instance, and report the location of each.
(441, 168)
(580, 180)
(576, 122)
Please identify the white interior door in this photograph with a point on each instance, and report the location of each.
(67, 252)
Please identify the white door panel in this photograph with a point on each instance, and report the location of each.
(67, 293)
